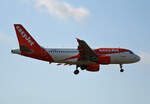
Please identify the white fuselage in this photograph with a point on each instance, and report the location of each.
(62, 55)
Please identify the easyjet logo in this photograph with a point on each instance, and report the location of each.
(24, 35)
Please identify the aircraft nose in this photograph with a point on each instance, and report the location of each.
(137, 58)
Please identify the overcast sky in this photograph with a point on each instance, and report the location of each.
(56, 23)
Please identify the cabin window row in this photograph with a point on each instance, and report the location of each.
(62, 51)
(113, 50)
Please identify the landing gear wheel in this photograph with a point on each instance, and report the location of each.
(122, 70)
(76, 72)
(83, 67)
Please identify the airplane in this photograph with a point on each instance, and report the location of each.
(83, 56)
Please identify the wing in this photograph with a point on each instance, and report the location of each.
(86, 53)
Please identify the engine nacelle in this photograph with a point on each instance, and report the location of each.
(93, 68)
(104, 60)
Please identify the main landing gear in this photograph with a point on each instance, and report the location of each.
(76, 71)
(121, 68)
(83, 67)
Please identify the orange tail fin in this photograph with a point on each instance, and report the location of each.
(25, 39)
(28, 46)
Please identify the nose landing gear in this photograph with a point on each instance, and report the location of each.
(121, 68)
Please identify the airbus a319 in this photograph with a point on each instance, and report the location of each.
(84, 57)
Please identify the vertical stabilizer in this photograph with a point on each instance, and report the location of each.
(29, 47)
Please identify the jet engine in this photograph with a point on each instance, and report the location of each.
(104, 60)
(93, 68)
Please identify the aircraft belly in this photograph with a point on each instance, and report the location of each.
(61, 57)
(120, 58)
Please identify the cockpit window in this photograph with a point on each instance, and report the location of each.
(131, 52)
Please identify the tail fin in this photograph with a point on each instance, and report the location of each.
(26, 42)
(28, 46)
